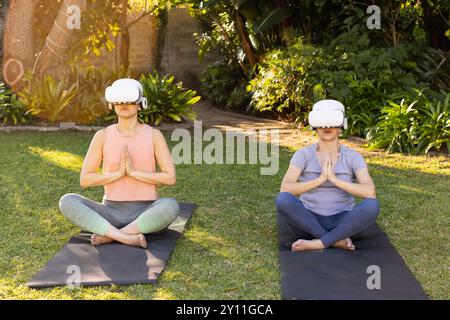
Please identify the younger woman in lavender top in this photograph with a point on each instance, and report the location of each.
(316, 197)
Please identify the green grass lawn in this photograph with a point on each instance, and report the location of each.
(229, 247)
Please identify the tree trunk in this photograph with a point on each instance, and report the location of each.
(285, 24)
(18, 50)
(53, 53)
(124, 42)
(245, 39)
(125, 38)
(155, 44)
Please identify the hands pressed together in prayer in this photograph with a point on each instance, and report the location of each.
(328, 170)
(126, 164)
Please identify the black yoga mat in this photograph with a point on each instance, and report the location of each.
(335, 274)
(112, 263)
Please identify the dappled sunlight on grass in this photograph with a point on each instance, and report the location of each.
(12, 289)
(414, 189)
(172, 275)
(105, 293)
(434, 165)
(163, 294)
(51, 223)
(62, 159)
(209, 242)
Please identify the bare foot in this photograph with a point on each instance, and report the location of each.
(304, 245)
(96, 239)
(132, 239)
(136, 240)
(345, 244)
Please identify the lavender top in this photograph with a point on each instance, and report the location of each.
(327, 199)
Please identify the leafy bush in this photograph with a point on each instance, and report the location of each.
(87, 108)
(47, 98)
(223, 83)
(166, 100)
(89, 105)
(11, 109)
(239, 98)
(433, 66)
(416, 124)
(284, 84)
(362, 77)
(349, 69)
(80, 97)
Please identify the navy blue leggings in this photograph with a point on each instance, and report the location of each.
(329, 229)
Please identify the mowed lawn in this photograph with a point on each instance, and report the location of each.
(229, 247)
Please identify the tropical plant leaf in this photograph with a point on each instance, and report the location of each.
(271, 19)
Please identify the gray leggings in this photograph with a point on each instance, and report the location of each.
(151, 216)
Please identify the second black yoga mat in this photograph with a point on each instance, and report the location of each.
(339, 274)
(113, 263)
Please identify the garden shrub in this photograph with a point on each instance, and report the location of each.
(413, 122)
(284, 83)
(349, 69)
(47, 98)
(239, 98)
(79, 97)
(167, 100)
(89, 105)
(223, 83)
(362, 77)
(433, 67)
(12, 111)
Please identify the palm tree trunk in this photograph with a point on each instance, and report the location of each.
(54, 50)
(18, 50)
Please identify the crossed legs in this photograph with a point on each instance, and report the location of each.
(327, 231)
(108, 225)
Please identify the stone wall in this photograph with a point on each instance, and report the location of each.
(143, 36)
(180, 52)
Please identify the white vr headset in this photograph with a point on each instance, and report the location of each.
(327, 114)
(126, 91)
